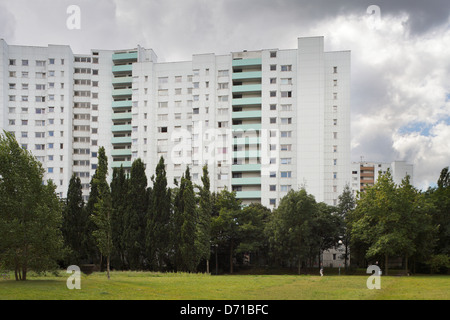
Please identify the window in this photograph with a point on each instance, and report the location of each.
(273, 80)
(273, 93)
(334, 69)
(50, 170)
(162, 129)
(286, 80)
(273, 54)
(273, 187)
(12, 62)
(273, 120)
(286, 174)
(286, 120)
(223, 73)
(286, 134)
(285, 188)
(273, 107)
(273, 202)
(286, 67)
(286, 160)
(273, 67)
(286, 147)
(273, 174)
(223, 85)
(286, 94)
(51, 61)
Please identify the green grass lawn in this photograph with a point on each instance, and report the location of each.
(182, 286)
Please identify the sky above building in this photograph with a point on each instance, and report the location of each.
(400, 54)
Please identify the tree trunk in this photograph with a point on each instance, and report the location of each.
(207, 266)
(231, 256)
(107, 266)
(386, 264)
(299, 265)
(406, 263)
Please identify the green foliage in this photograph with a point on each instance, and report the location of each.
(30, 213)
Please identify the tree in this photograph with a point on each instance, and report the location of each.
(188, 227)
(75, 222)
(158, 234)
(251, 228)
(136, 216)
(119, 202)
(292, 227)
(346, 205)
(204, 219)
(30, 213)
(224, 226)
(102, 210)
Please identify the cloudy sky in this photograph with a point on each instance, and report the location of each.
(400, 54)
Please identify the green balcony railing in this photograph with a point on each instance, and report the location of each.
(122, 92)
(122, 104)
(248, 194)
(247, 75)
(122, 127)
(125, 56)
(246, 114)
(245, 167)
(247, 154)
(246, 127)
(121, 152)
(247, 88)
(118, 164)
(246, 62)
(120, 140)
(246, 181)
(122, 68)
(121, 116)
(246, 101)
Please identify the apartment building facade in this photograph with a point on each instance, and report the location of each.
(265, 121)
(365, 174)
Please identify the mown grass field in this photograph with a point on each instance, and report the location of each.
(182, 286)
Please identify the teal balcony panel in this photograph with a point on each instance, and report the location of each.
(121, 140)
(247, 75)
(118, 164)
(120, 152)
(126, 68)
(247, 62)
(246, 101)
(246, 114)
(246, 167)
(122, 81)
(122, 104)
(125, 56)
(122, 92)
(247, 140)
(247, 154)
(247, 88)
(121, 116)
(123, 127)
(246, 181)
(246, 127)
(248, 194)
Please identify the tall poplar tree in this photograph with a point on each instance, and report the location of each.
(75, 222)
(204, 219)
(102, 210)
(158, 229)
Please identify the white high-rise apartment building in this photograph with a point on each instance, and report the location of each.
(265, 121)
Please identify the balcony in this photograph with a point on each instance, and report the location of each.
(119, 128)
(246, 101)
(246, 114)
(122, 104)
(121, 140)
(246, 127)
(247, 88)
(121, 116)
(246, 181)
(247, 140)
(245, 167)
(118, 164)
(120, 152)
(246, 62)
(121, 92)
(126, 68)
(247, 154)
(248, 194)
(125, 57)
(122, 81)
(247, 75)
